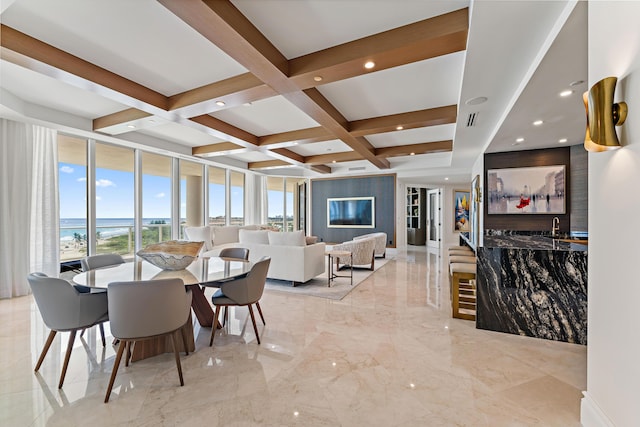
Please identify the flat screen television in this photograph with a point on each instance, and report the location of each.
(351, 212)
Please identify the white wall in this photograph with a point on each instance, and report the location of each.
(613, 353)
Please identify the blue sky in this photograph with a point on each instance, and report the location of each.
(115, 198)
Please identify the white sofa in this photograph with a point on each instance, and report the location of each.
(292, 259)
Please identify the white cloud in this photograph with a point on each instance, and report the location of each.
(105, 183)
(83, 179)
(160, 195)
(66, 169)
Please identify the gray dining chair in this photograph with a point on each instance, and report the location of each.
(64, 309)
(100, 260)
(237, 253)
(166, 310)
(242, 292)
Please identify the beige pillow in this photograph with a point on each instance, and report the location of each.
(225, 234)
(289, 238)
(253, 236)
(200, 234)
(310, 240)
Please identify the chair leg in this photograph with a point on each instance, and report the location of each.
(213, 326)
(175, 351)
(116, 364)
(104, 342)
(260, 311)
(67, 356)
(224, 316)
(184, 339)
(83, 331)
(50, 338)
(253, 320)
(127, 358)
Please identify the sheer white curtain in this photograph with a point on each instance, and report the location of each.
(29, 220)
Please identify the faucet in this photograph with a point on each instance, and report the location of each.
(555, 226)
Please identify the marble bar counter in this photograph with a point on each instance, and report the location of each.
(534, 286)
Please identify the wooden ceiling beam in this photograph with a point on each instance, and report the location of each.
(118, 119)
(268, 164)
(220, 149)
(301, 136)
(223, 25)
(407, 150)
(324, 159)
(320, 168)
(43, 58)
(234, 91)
(225, 130)
(440, 35)
(409, 120)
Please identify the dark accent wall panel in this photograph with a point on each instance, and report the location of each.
(382, 187)
(579, 188)
(521, 159)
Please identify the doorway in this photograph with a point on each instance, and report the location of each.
(434, 218)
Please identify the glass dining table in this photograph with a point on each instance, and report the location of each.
(203, 272)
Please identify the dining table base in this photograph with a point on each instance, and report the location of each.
(154, 346)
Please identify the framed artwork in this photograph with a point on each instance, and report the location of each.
(531, 190)
(461, 210)
(476, 197)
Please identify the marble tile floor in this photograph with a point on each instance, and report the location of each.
(388, 354)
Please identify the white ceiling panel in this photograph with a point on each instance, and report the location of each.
(251, 156)
(425, 84)
(181, 135)
(266, 117)
(140, 40)
(433, 160)
(313, 25)
(42, 90)
(413, 136)
(316, 148)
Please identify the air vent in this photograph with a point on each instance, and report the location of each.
(359, 168)
(471, 120)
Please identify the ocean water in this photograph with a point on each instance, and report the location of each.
(108, 227)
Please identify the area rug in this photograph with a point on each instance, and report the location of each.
(317, 287)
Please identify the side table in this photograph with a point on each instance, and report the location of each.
(331, 271)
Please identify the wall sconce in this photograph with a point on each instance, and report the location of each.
(603, 115)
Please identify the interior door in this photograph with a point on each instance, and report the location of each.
(434, 218)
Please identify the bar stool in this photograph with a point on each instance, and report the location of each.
(463, 290)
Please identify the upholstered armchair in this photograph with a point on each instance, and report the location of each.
(362, 252)
(381, 242)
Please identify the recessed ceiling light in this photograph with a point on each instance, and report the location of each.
(566, 93)
(476, 101)
(220, 103)
(151, 121)
(399, 127)
(246, 104)
(333, 161)
(562, 141)
(369, 65)
(131, 126)
(412, 154)
(576, 83)
(446, 178)
(537, 122)
(318, 78)
(295, 143)
(520, 139)
(516, 143)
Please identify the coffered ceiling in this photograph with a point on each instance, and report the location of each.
(281, 86)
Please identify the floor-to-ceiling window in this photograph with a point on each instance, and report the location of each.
(275, 202)
(156, 198)
(191, 205)
(291, 202)
(217, 196)
(237, 197)
(114, 198)
(72, 172)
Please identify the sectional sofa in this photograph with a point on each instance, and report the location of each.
(294, 257)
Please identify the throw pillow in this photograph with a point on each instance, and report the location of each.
(200, 234)
(225, 234)
(253, 236)
(291, 238)
(311, 240)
